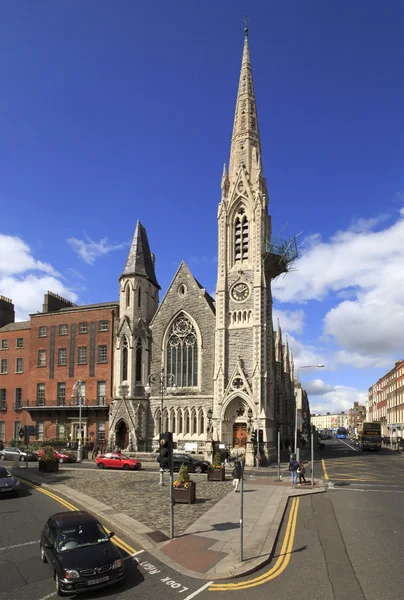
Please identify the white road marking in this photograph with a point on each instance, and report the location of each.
(349, 445)
(133, 555)
(19, 545)
(198, 591)
(48, 596)
(350, 489)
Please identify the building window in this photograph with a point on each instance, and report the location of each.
(182, 353)
(19, 343)
(180, 426)
(3, 366)
(81, 395)
(17, 427)
(43, 332)
(62, 357)
(4, 344)
(100, 431)
(139, 297)
(60, 431)
(82, 355)
(138, 372)
(40, 431)
(63, 330)
(19, 365)
(3, 399)
(124, 359)
(127, 296)
(83, 327)
(18, 399)
(103, 326)
(241, 236)
(41, 358)
(101, 393)
(2, 431)
(61, 392)
(102, 353)
(40, 394)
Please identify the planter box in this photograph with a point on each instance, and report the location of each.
(217, 474)
(184, 495)
(48, 466)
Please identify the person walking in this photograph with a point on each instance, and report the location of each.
(301, 470)
(237, 474)
(293, 466)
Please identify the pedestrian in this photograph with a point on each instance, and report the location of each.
(293, 466)
(259, 460)
(237, 474)
(301, 470)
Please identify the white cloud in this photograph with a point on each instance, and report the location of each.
(363, 269)
(25, 280)
(318, 387)
(290, 320)
(89, 250)
(335, 400)
(305, 354)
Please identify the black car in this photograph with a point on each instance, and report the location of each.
(80, 552)
(193, 464)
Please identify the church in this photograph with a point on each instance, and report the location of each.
(211, 370)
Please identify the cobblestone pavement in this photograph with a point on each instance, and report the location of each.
(138, 495)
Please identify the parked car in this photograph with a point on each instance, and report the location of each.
(14, 452)
(80, 553)
(63, 456)
(8, 483)
(113, 460)
(193, 464)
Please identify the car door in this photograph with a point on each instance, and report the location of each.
(49, 539)
(10, 453)
(116, 462)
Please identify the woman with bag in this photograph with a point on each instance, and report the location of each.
(301, 470)
(293, 466)
(237, 474)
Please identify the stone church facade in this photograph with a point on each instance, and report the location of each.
(209, 370)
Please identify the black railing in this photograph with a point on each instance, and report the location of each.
(61, 401)
(40, 401)
(101, 401)
(17, 405)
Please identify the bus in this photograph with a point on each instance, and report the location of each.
(370, 436)
(341, 433)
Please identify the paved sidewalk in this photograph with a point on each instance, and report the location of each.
(209, 548)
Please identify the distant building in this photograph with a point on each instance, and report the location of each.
(329, 421)
(356, 416)
(385, 402)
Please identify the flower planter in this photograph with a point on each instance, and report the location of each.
(184, 495)
(48, 466)
(217, 474)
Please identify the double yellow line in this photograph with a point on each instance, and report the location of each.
(117, 540)
(280, 565)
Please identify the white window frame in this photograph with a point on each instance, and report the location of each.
(3, 366)
(103, 325)
(104, 362)
(62, 364)
(43, 331)
(17, 370)
(62, 330)
(80, 360)
(41, 358)
(83, 327)
(4, 344)
(17, 345)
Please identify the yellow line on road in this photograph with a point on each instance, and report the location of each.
(280, 565)
(324, 469)
(116, 539)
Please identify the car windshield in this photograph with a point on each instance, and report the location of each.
(124, 456)
(4, 473)
(81, 536)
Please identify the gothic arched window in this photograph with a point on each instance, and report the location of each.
(194, 422)
(180, 425)
(241, 236)
(157, 422)
(139, 297)
(127, 295)
(138, 370)
(182, 353)
(124, 359)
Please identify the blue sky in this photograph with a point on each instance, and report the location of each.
(118, 111)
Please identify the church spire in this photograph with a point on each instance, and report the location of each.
(140, 259)
(245, 142)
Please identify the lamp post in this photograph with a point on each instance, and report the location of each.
(166, 381)
(296, 410)
(76, 393)
(209, 428)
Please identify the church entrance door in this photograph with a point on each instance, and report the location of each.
(122, 435)
(239, 435)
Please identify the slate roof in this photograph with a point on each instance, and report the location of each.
(140, 259)
(20, 325)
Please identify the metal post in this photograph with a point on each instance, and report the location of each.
(297, 453)
(171, 500)
(279, 454)
(161, 421)
(312, 458)
(241, 513)
(79, 444)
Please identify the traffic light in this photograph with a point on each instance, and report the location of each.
(254, 437)
(21, 433)
(165, 456)
(261, 436)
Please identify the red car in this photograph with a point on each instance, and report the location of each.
(112, 460)
(60, 455)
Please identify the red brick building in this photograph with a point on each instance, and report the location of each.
(60, 346)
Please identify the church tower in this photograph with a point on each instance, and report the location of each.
(244, 344)
(138, 302)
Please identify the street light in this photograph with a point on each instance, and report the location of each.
(166, 381)
(76, 393)
(209, 414)
(296, 411)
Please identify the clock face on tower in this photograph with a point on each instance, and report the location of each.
(240, 292)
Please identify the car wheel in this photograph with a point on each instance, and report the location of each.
(57, 585)
(126, 467)
(2, 457)
(22, 458)
(198, 469)
(100, 466)
(43, 555)
(61, 460)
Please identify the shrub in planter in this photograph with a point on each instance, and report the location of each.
(47, 463)
(216, 472)
(184, 491)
